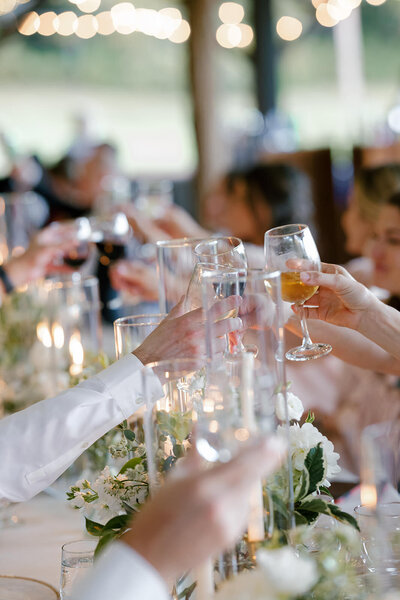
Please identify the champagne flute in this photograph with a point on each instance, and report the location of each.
(295, 243)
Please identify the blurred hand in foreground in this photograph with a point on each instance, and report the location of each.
(135, 278)
(202, 511)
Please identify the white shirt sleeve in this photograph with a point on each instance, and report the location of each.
(37, 444)
(122, 574)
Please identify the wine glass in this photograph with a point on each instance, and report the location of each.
(111, 235)
(294, 245)
(80, 232)
(223, 251)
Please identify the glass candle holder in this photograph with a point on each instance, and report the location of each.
(175, 263)
(76, 559)
(173, 393)
(130, 332)
(69, 336)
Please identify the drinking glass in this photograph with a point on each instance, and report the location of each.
(223, 251)
(173, 393)
(295, 243)
(79, 231)
(154, 197)
(175, 263)
(380, 537)
(76, 560)
(111, 235)
(130, 332)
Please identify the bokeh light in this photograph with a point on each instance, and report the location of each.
(229, 36)
(7, 6)
(66, 23)
(339, 9)
(289, 28)
(324, 18)
(87, 27)
(88, 6)
(231, 13)
(181, 34)
(124, 17)
(46, 25)
(30, 24)
(247, 35)
(105, 24)
(376, 2)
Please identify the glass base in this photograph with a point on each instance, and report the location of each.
(309, 352)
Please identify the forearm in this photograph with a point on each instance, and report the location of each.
(381, 324)
(350, 346)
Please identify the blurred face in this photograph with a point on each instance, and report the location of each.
(385, 250)
(229, 211)
(357, 229)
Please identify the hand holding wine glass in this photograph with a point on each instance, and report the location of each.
(291, 249)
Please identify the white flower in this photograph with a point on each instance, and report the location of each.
(302, 439)
(121, 477)
(294, 404)
(78, 501)
(286, 572)
(249, 585)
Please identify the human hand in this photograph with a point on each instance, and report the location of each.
(340, 300)
(178, 223)
(143, 227)
(202, 511)
(135, 278)
(183, 334)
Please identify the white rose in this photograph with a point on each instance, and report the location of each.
(294, 404)
(248, 585)
(286, 572)
(302, 439)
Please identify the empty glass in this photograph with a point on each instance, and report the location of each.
(223, 251)
(76, 560)
(130, 332)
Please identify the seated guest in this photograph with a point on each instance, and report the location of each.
(373, 186)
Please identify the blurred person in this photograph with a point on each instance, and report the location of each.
(57, 430)
(373, 186)
(374, 373)
(210, 506)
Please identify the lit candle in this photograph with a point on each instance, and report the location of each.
(76, 352)
(255, 528)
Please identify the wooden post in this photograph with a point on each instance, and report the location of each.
(212, 156)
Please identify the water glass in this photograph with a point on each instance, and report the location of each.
(76, 561)
(380, 537)
(130, 332)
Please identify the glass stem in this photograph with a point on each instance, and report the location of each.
(306, 336)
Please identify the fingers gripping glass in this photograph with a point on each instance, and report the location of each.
(291, 249)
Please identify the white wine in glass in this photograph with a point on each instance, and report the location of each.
(294, 245)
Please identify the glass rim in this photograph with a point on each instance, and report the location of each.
(66, 281)
(374, 510)
(222, 237)
(65, 549)
(255, 274)
(123, 321)
(177, 243)
(274, 231)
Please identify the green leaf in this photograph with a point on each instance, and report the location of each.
(187, 592)
(131, 464)
(310, 417)
(308, 515)
(342, 516)
(300, 519)
(314, 464)
(301, 489)
(93, 528)
(325, 490)
(314, 505)
(119, 522)
(178, 450)
(128, 433)
(279, 505)
(104, 541)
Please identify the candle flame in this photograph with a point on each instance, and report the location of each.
(43, 334)
(76, 351)
(208, 405)
(369, 496)
(58, 335)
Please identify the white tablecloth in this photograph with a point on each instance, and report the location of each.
(32, 548)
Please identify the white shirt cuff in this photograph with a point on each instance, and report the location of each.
(123, 574)
(123, 379)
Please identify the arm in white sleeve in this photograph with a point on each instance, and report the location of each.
(122, 574)
(37, 444)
